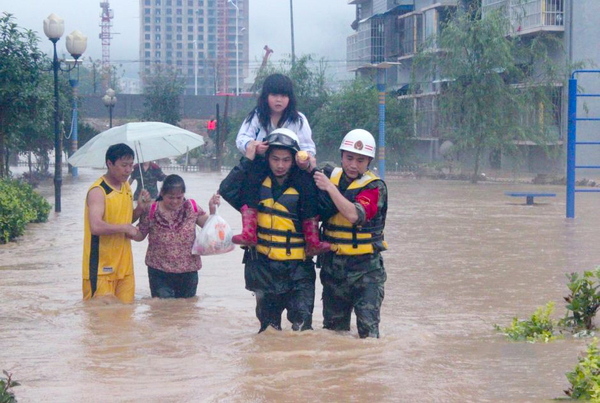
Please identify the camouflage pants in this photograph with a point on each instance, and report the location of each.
(299, 302)
(353, 283)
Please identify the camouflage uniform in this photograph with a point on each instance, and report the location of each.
(354, 282)
(277, 284)
(153, 175)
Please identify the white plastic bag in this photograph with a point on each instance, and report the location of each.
(214, 238)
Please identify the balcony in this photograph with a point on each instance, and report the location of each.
(366, 46)
(530, 16)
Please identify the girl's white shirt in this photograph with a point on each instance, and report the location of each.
(252, 130)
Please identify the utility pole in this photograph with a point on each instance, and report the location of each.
(292, 25)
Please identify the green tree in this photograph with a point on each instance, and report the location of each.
(356, 106)
(20, 78)
(162, 96)
(497, 88)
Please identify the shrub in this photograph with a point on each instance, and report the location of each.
(19, 205)
(6, 395)
(585, 378)
(584, 300)
(539, 328)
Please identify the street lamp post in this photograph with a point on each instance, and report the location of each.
(292, 27)
(54, 27)
(109, 101)
(74, 129)
(237, 48)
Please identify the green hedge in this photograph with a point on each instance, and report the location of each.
(19, 205)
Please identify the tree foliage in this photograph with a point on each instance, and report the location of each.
(355, 106)
(162, 96)
(22, 93)
(496, 88)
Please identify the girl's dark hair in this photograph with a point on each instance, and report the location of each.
(276, 84)
(171, 182)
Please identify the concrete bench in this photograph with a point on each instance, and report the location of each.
(529, 195)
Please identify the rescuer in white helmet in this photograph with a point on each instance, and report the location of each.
(353, 205)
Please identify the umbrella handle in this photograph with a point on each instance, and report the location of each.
(137, 156)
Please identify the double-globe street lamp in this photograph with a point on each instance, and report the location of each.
(109, 100)
(54, 27)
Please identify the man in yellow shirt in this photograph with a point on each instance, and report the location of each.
(108, 229)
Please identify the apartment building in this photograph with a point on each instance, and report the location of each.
(394, 30)
(197, 38)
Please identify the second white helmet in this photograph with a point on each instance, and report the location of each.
(359, 141)
(284, 138)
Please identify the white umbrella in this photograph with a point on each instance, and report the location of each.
(150, 141)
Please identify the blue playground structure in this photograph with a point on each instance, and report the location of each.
(572, 142)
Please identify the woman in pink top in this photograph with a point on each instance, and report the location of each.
(171, 225)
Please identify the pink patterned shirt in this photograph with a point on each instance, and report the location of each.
(171, 238)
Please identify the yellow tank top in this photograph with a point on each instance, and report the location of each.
(109, 255)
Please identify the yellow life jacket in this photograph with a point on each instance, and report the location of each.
(349, 239)
(279, 237)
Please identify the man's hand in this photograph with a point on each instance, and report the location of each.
(131, 231)
(322, 181)
(144, 199)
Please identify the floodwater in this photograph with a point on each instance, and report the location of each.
(462, 257)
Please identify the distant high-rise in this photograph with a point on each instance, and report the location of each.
(197, 38)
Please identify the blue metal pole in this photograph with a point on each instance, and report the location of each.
(74, 134)
(571, 139)
(381, 145)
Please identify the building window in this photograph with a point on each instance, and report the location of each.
(157, 20)
(190, 3)
(157, 28)
(147, 11)
(169, 20)
(147, 28)
(179, 38)
(179, 12)
(179, 2)
(201, 20)
(180, 63)
(169, 38)
(147, 54)
(146, 2)
(157, 37)
(179, 55)
(179, 29)
(190, 28)
(191, 45)
(201, 37)
(158, 46)
(169, 28)
(169, 2)
(157, 54)
(147, 45)
(169, 45)
(190, 37)
(169, 11)
(147, 20)
(157, 11)
(200, 3)
(157, 2)
(179, 20)
(190, 11)
(179, 46)
(190, 54)
(190, 20)
(169, 54)
(147, 37)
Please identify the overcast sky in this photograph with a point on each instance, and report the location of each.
(321, 27)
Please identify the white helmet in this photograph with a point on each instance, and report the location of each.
(359, 141)
(284, 138)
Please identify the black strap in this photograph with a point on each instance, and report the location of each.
(360, 230)
(354, 241)
(268, 210)
(271, 244)
(276, 232)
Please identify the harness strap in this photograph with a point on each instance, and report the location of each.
(354, 241)
(270, 231)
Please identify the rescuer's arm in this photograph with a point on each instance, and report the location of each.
(95, 202)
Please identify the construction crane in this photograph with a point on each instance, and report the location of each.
(222, 47)
(263, 65)
(105, 36)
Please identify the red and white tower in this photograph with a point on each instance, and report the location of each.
(105, 36)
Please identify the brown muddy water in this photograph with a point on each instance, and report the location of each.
(462, 257)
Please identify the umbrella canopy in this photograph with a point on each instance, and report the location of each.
(150, 141)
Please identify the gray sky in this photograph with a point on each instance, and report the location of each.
(321, 26)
